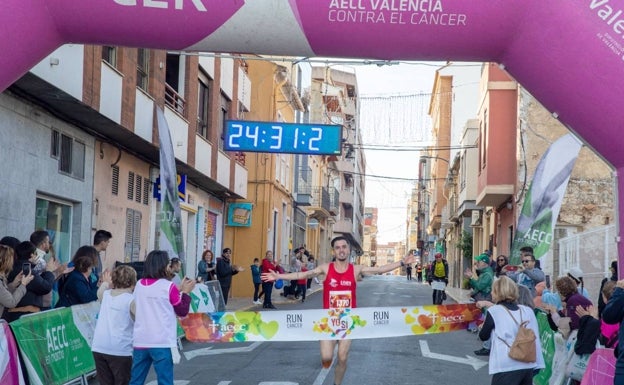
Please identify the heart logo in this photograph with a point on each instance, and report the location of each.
(425, 321)
(269, 329)
(403, 310)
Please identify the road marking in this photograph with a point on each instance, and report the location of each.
(178, 382)
(213, 352)
(324, 372)
(321, 376)
(277, 383)
(469, 360)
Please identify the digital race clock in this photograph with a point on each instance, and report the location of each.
(287, 138)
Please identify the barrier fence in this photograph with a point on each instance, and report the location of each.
(56, 344)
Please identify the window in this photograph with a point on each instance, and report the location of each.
(109, 55)
(146, 187)
(143, 56)
(203, 105)
(55, 217)
(130, 194)
(132, 242)
(223, 116)
(69, 153)
(174, 84)
(115, 181)
(138, 192)
(483, 140)
(138, 188)
(55, 144)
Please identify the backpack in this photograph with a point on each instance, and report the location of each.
(523, 347)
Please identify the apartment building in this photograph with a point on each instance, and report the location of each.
(82, 150)
(484, 188)
(333, 100)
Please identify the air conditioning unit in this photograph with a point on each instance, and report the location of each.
(475, 218)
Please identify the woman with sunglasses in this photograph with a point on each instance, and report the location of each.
(501, 262)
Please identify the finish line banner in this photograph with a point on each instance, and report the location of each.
(328, 324)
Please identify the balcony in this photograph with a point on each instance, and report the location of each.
(175, 101)
(345, 197)
(303, 196)
(303, 190)
(345, 167)
(343, 226)
(320, 202)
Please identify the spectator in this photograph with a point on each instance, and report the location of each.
(500, 327)
(419, 271)
(158, 302)
(613, 313)
(550, 298)
(501, 262)
(601, 304)
(539, 291)
(11, 292)
(225, 271)
(527, 274)
(77, 287)
(482, 286)
(206, 267)
(101, 239)
(255, 278)
(577, 275)
(112, 338)
(41, 240)
(175, 266)
(608, 332)
(42, 283)
(12, 242)
(267, 287)
(310, 266)
(408, 272)
(570, 296)
(302, 283)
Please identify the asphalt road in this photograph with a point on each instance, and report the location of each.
(445, 358)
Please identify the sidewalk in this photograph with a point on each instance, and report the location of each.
(459, 295)
(246, 303)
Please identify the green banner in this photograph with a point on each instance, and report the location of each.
(56, 344)
(547, 338)
(538, 217)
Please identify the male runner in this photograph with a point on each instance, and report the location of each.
(340, 283)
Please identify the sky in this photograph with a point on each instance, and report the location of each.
(393, 106)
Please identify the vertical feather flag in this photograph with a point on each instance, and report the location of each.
(170, 236)
(544, 197)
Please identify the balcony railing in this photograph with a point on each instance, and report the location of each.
(320, 198)
(174, 100)
(303, 192)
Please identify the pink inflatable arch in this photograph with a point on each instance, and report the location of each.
(568, 54)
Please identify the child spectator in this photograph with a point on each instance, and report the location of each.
(255, 276)
(158, 301)
(112, 339)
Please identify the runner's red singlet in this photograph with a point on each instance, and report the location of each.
(339, 288)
